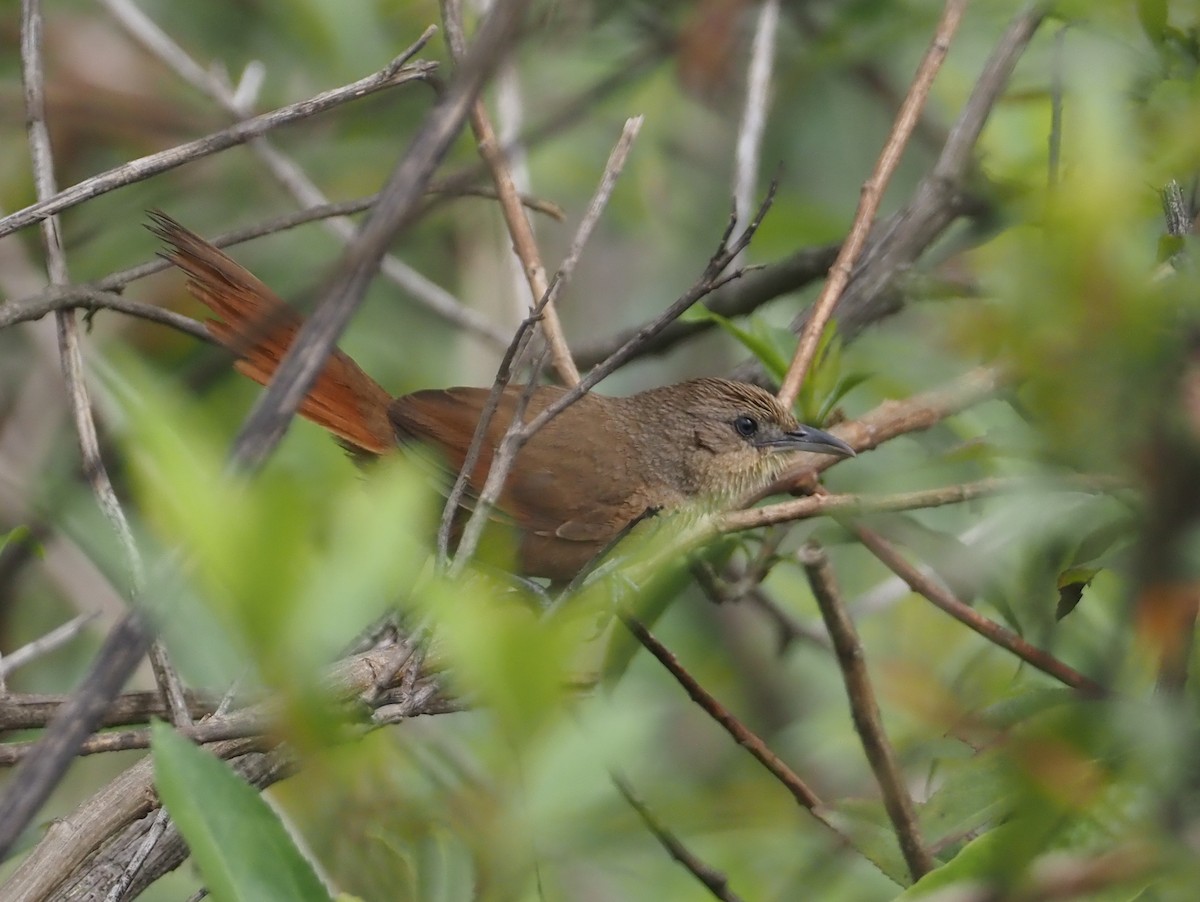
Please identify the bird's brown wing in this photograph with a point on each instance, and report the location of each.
(561, 486)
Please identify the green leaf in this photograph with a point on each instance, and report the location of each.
(841, 388)
(979, 860)
(21, 534)
(240, 846)
(1103, 538)
(974, 793)
(1153, 16)
(757, 340)
(873, 837)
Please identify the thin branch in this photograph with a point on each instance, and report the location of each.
(789, 628)
(710, 280)
(28, 711)
(815, 505)
(713, 880)
(87, 297)
(395, 73)
(157, 828)
(755, 288)
(872, 195)
(754, 114)
(43, 645)
(519, 228)
(864, 710)
(72, 839)
(888, 420)
(101, 294)
(964, 614)
(941, 197)
(129, 640)
(238, 105)
(741, 734)
(257, 721)
(34, 779)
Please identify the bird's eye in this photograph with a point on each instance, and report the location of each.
(745, 426)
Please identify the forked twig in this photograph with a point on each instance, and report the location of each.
(864, 711)
(524, 243)
(868, 205)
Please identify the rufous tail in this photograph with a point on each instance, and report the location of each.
(256, 325)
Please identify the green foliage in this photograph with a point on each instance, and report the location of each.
(293, 574)
(241, 847)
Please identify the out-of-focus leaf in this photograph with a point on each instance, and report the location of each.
(1026, 702)
(974, 793)
(294, 574)
(873, 836)
(1103, 538)
(240, 846)
(1152, 14)
(978, 861)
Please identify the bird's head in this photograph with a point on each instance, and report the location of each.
(732, 434)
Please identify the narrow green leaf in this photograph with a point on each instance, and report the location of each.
(841, 388)
(240, 846)
(756, 342)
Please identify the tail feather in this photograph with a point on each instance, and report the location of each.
(256, 325)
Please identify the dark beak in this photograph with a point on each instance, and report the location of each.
(808, 438)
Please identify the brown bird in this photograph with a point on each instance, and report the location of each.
(578, 482)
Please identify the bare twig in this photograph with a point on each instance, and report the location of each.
(86, 297)
(741, 734)
(129, 639)
(27, 711)
(396, 73)
(755, 288)
(710, 280)
(70, 841)
(713, 880)
(814, 505)
(864, 710)
(890, 419)
(157, 828)
(754, 114)
(868, 206)
(941, 197)
(43, 645)
(285, 170)
(523, 241)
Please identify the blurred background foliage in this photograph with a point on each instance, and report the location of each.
(1061, 273)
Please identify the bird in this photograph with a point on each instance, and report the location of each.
(578, 483)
